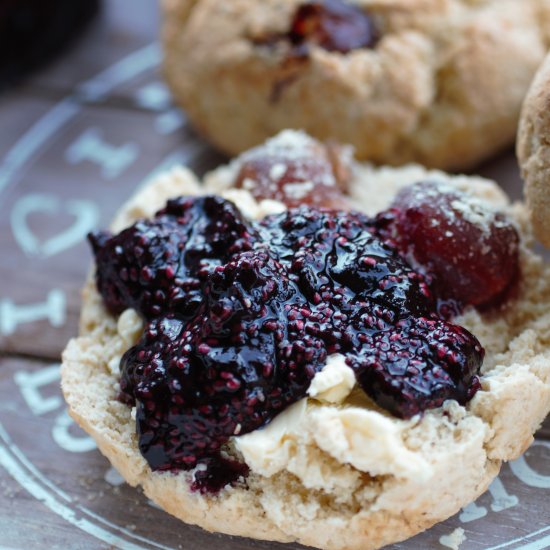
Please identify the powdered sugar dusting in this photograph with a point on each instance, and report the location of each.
(277, 171)
(298, 190)
(292, 144)
(462, 207)
(474, 212)
(249, 184)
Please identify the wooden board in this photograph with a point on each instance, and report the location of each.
(77, 139)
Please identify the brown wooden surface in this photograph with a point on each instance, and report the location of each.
(107, 92)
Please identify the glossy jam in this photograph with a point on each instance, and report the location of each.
(241, 315)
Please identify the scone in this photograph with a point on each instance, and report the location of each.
(344, 378)
(439, 82)
(533, 150)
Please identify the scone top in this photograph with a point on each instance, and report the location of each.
(533, 152)
(241, 314)
(438, 82)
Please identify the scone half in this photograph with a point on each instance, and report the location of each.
(334, 470)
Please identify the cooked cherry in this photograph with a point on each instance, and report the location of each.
(470, 250)
(334, 25)
(296, 169)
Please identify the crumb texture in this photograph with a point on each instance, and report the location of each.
(336, 472)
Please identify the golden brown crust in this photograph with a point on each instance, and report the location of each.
(533, 149)
(353, 510)
(443, 87)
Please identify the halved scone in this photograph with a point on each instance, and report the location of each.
(342, 377)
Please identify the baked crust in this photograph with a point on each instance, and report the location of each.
(443, 87)
(533, 150)
(371, 510)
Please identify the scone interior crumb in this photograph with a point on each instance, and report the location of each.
(340, 472)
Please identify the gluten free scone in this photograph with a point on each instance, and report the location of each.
(439, 82)
(342, 378)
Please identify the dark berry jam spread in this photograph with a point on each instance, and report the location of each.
(241, 315)
(333, 25)
(155, 265)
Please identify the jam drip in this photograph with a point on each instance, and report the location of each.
(241, 315)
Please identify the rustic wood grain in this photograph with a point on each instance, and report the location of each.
(31, 276)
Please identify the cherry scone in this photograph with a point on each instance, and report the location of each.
(439, 82)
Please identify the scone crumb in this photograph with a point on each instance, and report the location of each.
(454, 540)
(130, 327)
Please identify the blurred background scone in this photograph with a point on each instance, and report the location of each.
(533, 150)
(434, 81)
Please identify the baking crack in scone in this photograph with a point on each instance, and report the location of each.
(438, 82)
(344, 373)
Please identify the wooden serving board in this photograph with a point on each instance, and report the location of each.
(76, 140)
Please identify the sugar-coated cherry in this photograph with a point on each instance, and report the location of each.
(470, 250)
(295, 169)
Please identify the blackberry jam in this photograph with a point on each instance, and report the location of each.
(241, 315)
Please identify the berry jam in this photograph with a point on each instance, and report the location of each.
(241, 315)
(333, 25)
(155, 266)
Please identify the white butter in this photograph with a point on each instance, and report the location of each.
(312, 432)
(334, 382)
(366, 439)
(267, 450)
